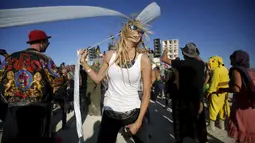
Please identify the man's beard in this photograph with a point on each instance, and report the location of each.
(44, 48)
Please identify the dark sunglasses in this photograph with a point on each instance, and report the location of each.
(133, 27)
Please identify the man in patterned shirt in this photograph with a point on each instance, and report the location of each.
(29, 82)
(3, 106)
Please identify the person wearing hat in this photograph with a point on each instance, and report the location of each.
(4, 53)
(188, 113)
(219, 105)
(3, 106)
(29, 100)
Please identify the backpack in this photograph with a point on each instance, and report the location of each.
(247, 83)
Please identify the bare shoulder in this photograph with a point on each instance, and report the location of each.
(236, 73)
(108, 55)
(145, 61)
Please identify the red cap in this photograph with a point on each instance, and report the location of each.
(36, 35)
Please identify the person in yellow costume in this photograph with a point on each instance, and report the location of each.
(218, 103)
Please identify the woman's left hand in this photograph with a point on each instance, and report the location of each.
(134, 127)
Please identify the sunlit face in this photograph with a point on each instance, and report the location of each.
(135, 35)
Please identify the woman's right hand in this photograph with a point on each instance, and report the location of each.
(83, 55)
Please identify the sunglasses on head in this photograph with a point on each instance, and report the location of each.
(133, 27)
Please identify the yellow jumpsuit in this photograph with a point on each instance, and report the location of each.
(219, 79)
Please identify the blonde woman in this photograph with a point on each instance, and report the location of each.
(124, 67)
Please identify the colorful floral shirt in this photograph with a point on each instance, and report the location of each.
(27, 77)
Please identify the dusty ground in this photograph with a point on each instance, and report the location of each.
(161, 128)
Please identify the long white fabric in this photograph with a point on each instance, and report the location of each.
(77, 110)
(26, 16)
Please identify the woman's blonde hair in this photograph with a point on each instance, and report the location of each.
(122, 56)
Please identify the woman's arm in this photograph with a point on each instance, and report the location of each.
(68, 79)
(207, 77)
(165, 59)
(153, 76)
(68, 76)
(146, 76)
(235, 83)
(98, 76)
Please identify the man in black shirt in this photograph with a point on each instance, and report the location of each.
(189, 118)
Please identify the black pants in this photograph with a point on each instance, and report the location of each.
(3, 110)
(187, 122)
(167, 99)
(62, 102)
(28, 124)
(110, 127)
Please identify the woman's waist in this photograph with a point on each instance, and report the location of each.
(122, 97)
(122, 91)
(118, 103)
(120, 107)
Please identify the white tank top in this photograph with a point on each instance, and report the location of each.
(123, 85)
(141, 85)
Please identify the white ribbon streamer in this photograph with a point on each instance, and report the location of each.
(25, 16)
(77, 110)
(149, 13)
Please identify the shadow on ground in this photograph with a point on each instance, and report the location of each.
(161, 128)
(69, 134)
(218, 136)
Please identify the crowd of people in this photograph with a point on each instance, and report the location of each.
(120, 89)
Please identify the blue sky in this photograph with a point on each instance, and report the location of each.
(218, 27)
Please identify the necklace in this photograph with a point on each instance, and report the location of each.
(129, 64)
